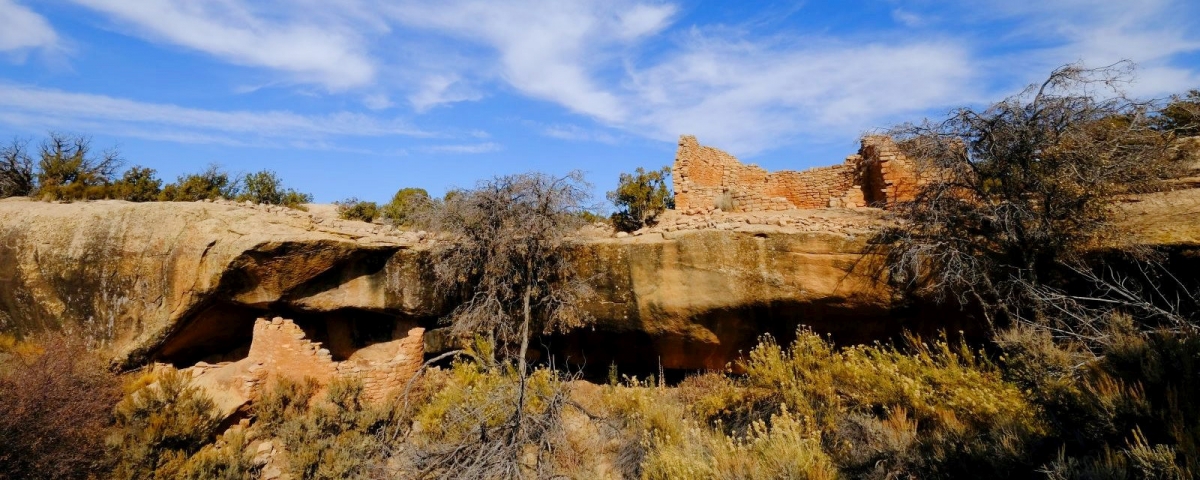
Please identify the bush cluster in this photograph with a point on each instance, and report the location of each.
(161, 424)
(334, 436)
(67, 169)
(923, 410)
(1035, 407)
(407, 206)
(355, 209)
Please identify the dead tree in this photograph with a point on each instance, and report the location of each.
(1011, 193)
(16, 170)
(504, 251)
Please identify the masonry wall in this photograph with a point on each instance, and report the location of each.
(889, 175)
(707, 179)
(281, 348)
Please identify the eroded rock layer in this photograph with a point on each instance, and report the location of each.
(184, 282)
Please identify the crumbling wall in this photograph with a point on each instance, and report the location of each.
(281, 348)
(889, 175)
(707, 179)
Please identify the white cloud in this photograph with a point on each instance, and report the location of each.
(907, 18)
(378, 102)
(642, 20)
(747, 97)
(32, 107)
(625, 65)
(1151, 33)
(546, 50)
(313, 48)
(471, 148)
(23, 28)
(441, 89)
(577, 133)
(745, 92)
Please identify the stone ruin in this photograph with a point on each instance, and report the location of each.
(708, 179)
(281, 348)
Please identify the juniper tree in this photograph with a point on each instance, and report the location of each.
(640, 197)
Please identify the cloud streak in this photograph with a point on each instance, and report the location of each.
(313, 49)
(467, 149)
(26, 106)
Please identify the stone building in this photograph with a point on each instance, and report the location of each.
(706, 178)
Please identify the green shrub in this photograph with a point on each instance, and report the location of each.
(932, 410)
(591, 218)
(640, 197)
(334, 437)
(355, 209)
(137, 185)
(160, 424)
(69, 170)
(1182, 115)
(1112, 409)
(228, 458)
(265, 187)
(211, 184)
(407, 205)
(471, 427)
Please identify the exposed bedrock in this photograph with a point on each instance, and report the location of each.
(185, 282)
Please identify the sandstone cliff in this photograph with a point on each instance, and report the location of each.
(184, 282)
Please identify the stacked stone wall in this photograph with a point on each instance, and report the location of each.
(707, 179)
(892, 174)
(280, 348)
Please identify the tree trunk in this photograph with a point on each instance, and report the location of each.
(521, 358)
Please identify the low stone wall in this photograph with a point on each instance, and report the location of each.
(707, 179)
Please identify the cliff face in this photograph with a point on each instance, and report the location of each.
(184, 282)
(150, 278)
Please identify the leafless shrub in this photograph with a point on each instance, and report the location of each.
(1147, 291)
(469, 430)
(16, 170)
(1010, 193)
(506, 255)
(55, 404)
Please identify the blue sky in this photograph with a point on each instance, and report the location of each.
(361, 97)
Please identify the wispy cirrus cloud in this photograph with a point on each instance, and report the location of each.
(577, 133)
(290, 37)
(468, 149)
(1037, 36)
(37, 108)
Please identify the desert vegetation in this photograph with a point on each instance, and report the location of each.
(67, 168)
(640, 198)
(1090, 365)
